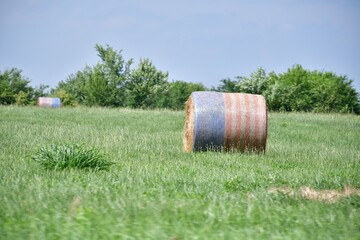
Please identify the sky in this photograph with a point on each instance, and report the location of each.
(200, 41)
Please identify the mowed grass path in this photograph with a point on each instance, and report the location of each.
(156, 191)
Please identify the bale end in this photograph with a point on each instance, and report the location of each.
(188, 135)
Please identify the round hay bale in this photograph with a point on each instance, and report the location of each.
(225, 121)
(49, 102)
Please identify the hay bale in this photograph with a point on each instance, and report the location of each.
(225, 121)
(48, 102)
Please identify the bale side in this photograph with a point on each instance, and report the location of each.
(188, 135)
(56, 103)
(49, 102)
(225, 121)
(44, 102)
(245, 122)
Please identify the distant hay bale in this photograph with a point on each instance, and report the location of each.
(225, 121)
(48, 102)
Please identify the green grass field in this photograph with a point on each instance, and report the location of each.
(156, 191)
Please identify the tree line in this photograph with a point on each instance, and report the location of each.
(113, 82)
(298, 89)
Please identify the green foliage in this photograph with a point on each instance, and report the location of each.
(96, 88)
(114, 66)
(312, 91)
(64, 156)
(299, 89)
(227, 85)
(110, 77)
(179, 92)
(332, 93)
(112, 83)
(39, 91)
(102, 84)
(147, 85)
(257, 83)
(22, 98)
(66, 98)
(75, 85)
(13, 87)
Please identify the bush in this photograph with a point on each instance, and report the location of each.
(179, 92)
(299, 89)
(66, 98)
(99, 85)
(146, 85)
(14, 87)
(257, 83)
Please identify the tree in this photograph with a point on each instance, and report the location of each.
(299, 89)
(228, 85)
(74, 85)
(13, 87)
(22, 98)
(113, 71)
(66, 98)
(102, 84)
(36, 92)
(257, 83)
(146, 85)
(179, 92)
(332, 93)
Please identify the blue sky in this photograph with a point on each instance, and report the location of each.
(198, 41)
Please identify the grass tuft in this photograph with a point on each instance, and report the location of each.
(55, 156)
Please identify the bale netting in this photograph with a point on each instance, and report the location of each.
(49, 102)
(225, 122)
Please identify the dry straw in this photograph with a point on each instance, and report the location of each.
(325, 195)
(225, 121)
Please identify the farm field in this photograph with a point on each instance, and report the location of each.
(306, 186)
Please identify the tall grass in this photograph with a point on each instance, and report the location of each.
(156, 191)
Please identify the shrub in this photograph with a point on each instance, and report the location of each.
(179, 92)
(303, 90)
(13, 87)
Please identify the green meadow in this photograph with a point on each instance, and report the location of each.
(306, 185)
